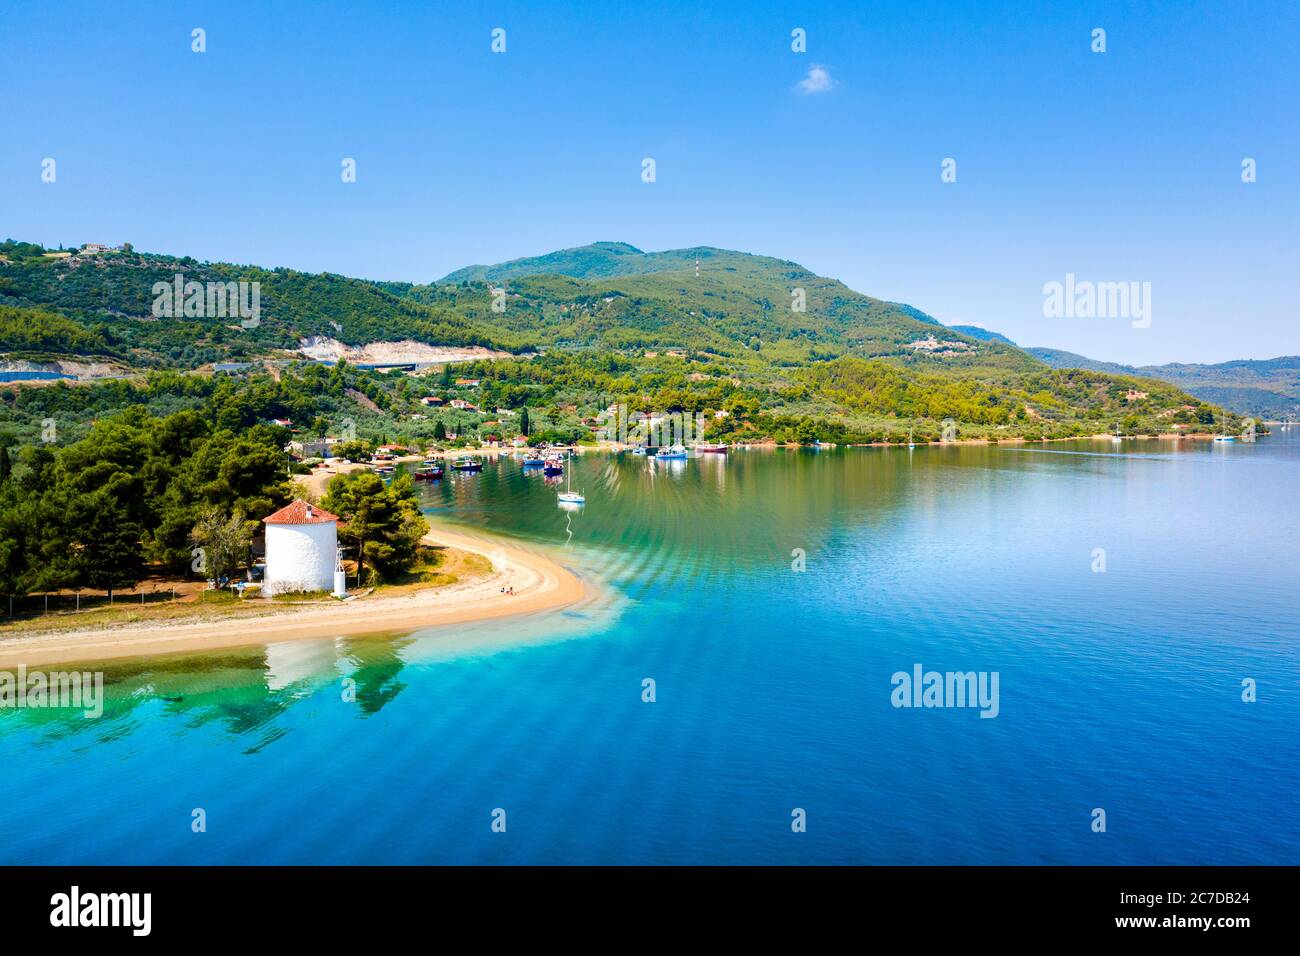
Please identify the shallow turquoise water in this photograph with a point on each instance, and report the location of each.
(1118, 690)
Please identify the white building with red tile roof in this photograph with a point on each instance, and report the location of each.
(302, 543)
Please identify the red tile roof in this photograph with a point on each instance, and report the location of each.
(296, 512)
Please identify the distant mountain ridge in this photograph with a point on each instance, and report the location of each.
(1263, 388)
(984, 335)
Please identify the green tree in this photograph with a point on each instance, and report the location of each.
(15, 531)
(383, 523)
(106, 545)
(524, 423)
(225, 541)
(440, 432)
(353, 450)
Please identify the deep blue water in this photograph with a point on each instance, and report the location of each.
(1118, 690)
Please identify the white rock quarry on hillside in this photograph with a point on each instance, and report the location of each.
(407, 351)
(78, 370)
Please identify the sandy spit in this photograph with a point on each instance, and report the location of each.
(539, 584)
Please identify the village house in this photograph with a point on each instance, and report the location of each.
(464, 405)
(467, 383)
(431, 400)
(312, 448)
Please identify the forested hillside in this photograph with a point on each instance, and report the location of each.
(791, 354)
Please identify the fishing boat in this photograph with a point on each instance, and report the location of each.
(639, 450)
(553, 465)
(568, 496)
(712, 448)
(431, 473)
(467, 463)
(533, 461)
(671, 453)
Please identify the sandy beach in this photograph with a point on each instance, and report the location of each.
(538, 582)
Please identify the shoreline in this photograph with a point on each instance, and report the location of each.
(539, 582)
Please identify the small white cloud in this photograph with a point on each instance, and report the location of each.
(818, 80)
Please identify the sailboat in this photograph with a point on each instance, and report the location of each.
(910, 443)
(1224, 436)
(1116, 438)
(568, 496)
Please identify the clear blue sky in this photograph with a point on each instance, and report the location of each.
(1117, 166)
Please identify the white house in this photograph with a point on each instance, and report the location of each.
(301, 549)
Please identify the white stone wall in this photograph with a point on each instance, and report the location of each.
(300, 557)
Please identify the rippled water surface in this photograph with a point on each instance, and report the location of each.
(1119, 690)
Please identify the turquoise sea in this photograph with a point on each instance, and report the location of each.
(1119, 690)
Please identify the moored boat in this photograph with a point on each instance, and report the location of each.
(467, 463)
(712, 448)
(671, 453)
(568, 496)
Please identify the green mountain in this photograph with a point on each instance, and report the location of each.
(1260, 388)
(608, 295)
(702, 330)
(599, 260)
(613, 295)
